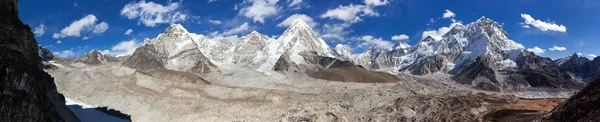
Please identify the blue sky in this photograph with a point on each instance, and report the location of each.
(73, 27)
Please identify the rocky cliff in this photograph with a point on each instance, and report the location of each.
(27, 93)
(581, 107)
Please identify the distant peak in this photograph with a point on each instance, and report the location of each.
(176, 28)
(254, 32)
(299, 23)
(94, 51)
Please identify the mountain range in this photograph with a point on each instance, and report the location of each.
(480, 54)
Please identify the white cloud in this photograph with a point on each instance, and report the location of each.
(375, 42)
(376, 2)
(543, 26)
(123, 48)
(39, 30)
(437, 34)
(242, 28)
(525, 26)
(592, 55)
(448, 14)
(294, 2)
(128, 31)
(150, 13)
(351, 13)
(557, 48)
(64, 53)
(578, 53)
(292, 18)
(260, 9)
(536, 50)
(100, 28)
(216, 22)
(400, 37)
(210, 1)
(87, 23)
(85, 38)
(504, 64)
(58, 41)
(335, 31)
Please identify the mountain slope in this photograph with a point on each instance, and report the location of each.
(297, 39)
(460, 47)
(95, 57)
(581, 107)
(175, 49)
(28, 93)
(528, 70)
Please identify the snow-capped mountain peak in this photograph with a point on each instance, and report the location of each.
(176, 28)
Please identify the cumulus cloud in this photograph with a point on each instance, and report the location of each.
(85, 38)
(216, 22)
(375, 42)
(64, 53)
(39, 30)
(242, 28)
(592, 55)
(123, 48)
(150, 13)
(258, 10)
(376, 2)
(437, 34)
(448, 14)
(87, 23)
(58, 41)
(210, 1)
(536, 50)
(335, 31)
(100, 28)
(294, 2)
(557, 48)
(543, 26)
(292, 18)
(128, 32)
(400, 37)
(351, 13)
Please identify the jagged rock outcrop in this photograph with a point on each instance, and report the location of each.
(94, 57)
(45, 54)
(581, 107)
(175, 49)
(28, 94)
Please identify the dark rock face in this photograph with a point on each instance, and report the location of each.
(531, 71)
(283, 63)
(95, 57)
(541, 72)
(581, 107)
(575, 64)
(428, 65)
(27, 93)
(146, 58)
(45, 54)
(482, 71)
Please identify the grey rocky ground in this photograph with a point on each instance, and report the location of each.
(245, 95)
